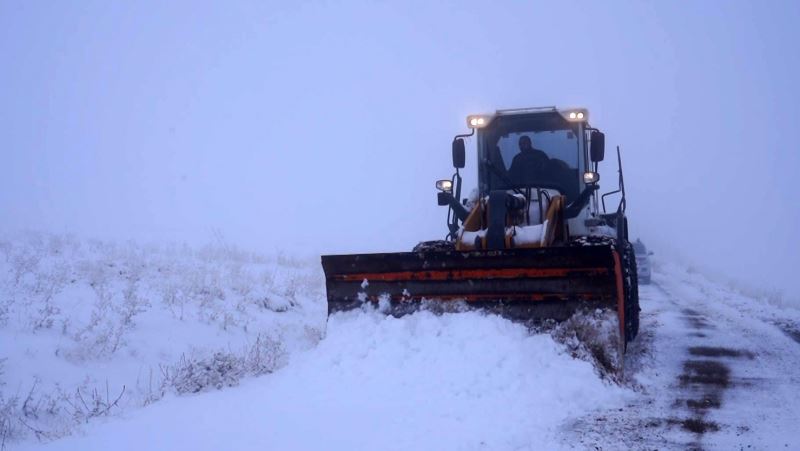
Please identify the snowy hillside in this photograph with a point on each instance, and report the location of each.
(92, 329)
(220, 349)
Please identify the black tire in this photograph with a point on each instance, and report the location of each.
(630, 286)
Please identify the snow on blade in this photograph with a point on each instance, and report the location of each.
(424, 381)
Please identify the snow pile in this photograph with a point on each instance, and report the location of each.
(424, 381)
(594, 336)
(89, 329)
(91, 332)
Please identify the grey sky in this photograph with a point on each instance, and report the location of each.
(321, 126)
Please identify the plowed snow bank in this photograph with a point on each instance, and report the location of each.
(455, 381)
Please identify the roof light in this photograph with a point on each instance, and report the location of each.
(478, 121)
(576, 115)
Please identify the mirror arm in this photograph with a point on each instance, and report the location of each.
(458, 210)
(471, 132)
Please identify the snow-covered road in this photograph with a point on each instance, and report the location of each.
(713, 370)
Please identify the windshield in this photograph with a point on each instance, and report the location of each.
(533, 151)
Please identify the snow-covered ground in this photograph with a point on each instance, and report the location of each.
(91, 329)
(459, 381)
(221, 349)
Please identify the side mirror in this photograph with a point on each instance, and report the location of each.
(459, 153)
(597, 149)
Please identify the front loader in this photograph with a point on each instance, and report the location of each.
(530, 243)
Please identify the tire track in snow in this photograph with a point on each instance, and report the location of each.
(792, 330)
(705, 378)
(708, 375)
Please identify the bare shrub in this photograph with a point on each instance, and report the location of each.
(45, 315)
(155, 388)
(88, 404)
(297, 286)
(240, 281)
(7, 408)
(266, 355)
(102, 336)
(225, 368)
(193, 375)
(54, 413)
(175, 299)
(132, 304)
(206, 288)
(46, 285)
(24, 262)
(109, 320)
(8, 429)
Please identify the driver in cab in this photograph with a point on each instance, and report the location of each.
(529, 163)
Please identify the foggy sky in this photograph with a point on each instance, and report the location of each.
(321, 127)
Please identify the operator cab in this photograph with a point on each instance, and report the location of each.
(540, 149)
(526, 159)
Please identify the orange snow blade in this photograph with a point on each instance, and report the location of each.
(543, 283)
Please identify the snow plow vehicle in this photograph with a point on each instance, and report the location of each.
(530, 243)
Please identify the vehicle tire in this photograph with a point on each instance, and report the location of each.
(630, 286)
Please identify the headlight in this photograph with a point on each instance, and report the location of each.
(445, 186)
(591, 177)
